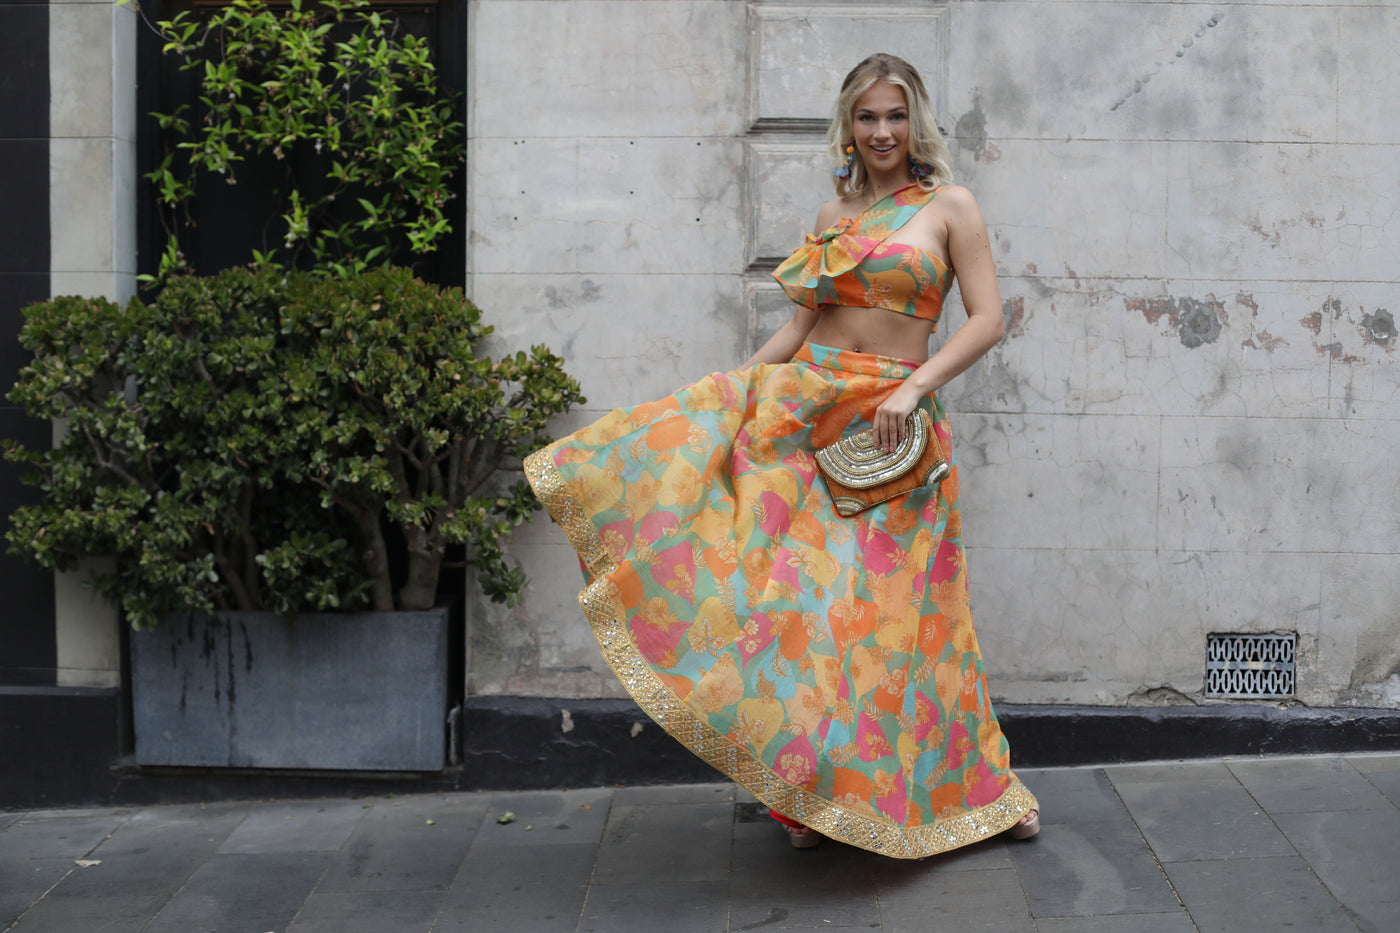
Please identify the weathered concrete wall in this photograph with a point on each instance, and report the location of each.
(1190, 427)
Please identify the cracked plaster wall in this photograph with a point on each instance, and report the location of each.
(1191, 425)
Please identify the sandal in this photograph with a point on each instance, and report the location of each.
(801, 837)
(1027, 827)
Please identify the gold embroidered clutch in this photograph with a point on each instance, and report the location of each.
(861, 475)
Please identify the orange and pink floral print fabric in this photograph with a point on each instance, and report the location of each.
(829, 664)
(854, 263)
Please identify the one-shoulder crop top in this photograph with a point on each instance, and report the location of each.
(896, 276)
(852, 263)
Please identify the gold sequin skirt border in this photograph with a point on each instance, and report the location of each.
(609, 625)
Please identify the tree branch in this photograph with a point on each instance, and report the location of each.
(107, 464)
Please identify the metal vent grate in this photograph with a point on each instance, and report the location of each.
(1251, 666)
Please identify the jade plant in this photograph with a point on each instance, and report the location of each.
(245, 440)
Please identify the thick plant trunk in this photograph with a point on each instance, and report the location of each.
(376, 558)
(424, 568)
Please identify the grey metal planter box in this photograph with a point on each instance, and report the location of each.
(351, 691)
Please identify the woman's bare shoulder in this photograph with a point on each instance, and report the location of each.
(834, 210)
(955, 201)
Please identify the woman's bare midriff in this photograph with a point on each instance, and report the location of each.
(873, 330)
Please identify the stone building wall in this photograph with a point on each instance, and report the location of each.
(1189, 428)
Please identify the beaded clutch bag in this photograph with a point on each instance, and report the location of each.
(861, 475)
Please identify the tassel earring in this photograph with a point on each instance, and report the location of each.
(919, 169)
(845, 170)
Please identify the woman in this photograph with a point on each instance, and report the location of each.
(826, 663)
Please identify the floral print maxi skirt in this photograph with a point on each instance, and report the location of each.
(826, 664)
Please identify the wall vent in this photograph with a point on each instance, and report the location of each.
(1251, 667)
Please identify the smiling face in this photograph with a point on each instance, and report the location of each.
(880, 120)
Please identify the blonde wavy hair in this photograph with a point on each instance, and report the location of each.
(925, 141)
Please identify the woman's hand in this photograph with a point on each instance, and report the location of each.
(889, 422)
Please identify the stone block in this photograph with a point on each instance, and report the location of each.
(1282, 212)
(583, 69)
(1077, 626)
(1278, 485)
(787, 183)
(1358, 653)
(81, 207)
(1101, 345)
(544, 646)
(1180, 347)
(1366, 94)
(627, 339)
(89, 637)
(1143, 71)
(1207, 592)
(1356, 333)
(1058, 481)
(769, 309)
(1071, 208)
(81, 86)
(116, 286)
(797, 73)
(604, 205)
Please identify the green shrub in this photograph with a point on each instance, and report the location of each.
(245, 440)
(342, 101)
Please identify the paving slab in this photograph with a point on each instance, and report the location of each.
(773, 886)
(118, 913)
(23, 881)
(1382, 771)
(301, 826)
(534, 906)
(153, 852)
(687, 841)
(411, 843)
(667, 794)
(1257, 895)
(1302, 785)
(1073, 795)
(1356, 854)
(545, 818)
(1197, 811)
(243, 893)
(692, 907)
(501, 869)
(368, 912)
(70, 834)
(1086, 869)
(984, 901)
(1178, 921)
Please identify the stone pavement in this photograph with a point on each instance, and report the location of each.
(1309, 844)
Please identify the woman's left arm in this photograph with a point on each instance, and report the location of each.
(970, 251)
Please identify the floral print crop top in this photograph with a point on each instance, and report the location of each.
(852, 263)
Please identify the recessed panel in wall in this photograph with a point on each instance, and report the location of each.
(801, 53)
(788, 180)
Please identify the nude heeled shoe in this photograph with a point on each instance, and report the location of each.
(1027, 827)
(803, 837)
